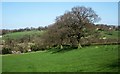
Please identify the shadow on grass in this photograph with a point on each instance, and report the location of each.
(66, 48)
(114, 65)
(58, 50)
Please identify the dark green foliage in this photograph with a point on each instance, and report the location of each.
(6, 50)
(34, 48)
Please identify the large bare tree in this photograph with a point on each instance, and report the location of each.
(71, 27)
(79, 20)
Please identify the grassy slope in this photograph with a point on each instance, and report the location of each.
(18, 35)
(88, 59)
(113, 36)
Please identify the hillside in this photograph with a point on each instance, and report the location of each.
(102, 58)
(110, 34)
(18, 35)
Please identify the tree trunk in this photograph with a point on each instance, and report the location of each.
(61, 47)
(79, 46)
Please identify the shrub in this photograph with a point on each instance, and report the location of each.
(34, 48)
(6, 50)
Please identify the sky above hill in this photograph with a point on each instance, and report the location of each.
(35, 14)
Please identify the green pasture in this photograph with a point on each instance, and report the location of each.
(101, 58)
(110, 34)
(18, 35)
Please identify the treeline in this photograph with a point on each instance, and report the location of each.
(5, 31)
(104, 27)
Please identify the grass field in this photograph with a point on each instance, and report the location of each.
(110, 34)
(102, 58)
(18, 35)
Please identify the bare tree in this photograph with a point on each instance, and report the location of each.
(78, 20)
(71, 27)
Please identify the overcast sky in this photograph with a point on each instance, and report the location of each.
(34, 14)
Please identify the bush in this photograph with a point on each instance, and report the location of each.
(34, 48)
(6, 50)
(23, 47)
